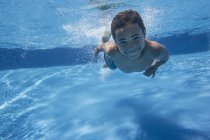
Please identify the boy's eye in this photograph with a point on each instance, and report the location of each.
(123, 42)
(136, 38)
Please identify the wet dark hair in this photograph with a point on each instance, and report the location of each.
(127, 17)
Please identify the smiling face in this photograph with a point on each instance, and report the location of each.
(130, 40)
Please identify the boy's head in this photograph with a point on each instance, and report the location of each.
(125, 18)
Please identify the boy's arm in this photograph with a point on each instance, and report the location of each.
(99, 49)
(108, 48)
(105, 38)
(160, 56)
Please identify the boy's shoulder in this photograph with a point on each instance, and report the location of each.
(153, 47)
(152, 44)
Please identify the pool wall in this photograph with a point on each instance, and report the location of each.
(17, 58)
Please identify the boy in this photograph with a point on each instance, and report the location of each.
(131, 51)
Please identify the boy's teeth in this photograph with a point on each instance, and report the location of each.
(130, 51)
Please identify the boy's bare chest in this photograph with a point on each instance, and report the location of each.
(127, 65)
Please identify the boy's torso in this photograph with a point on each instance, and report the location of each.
(137, 65)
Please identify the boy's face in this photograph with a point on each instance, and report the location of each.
(130, 40)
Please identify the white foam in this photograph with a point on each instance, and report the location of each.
(84, 32)
(104, 72)
(150, 19)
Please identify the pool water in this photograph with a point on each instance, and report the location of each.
(88, 102)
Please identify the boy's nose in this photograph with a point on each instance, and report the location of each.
(132, 44)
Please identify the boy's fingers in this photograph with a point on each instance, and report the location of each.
(105, 66)
(97, 50)
(153, 75)
(147, 74)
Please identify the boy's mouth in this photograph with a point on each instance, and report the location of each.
(132, 52)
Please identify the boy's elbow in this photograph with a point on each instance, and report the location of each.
(110, 49)
(165, 56)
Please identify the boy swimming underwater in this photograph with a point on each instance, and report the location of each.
(131, 51)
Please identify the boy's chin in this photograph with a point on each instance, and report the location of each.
(134, 56)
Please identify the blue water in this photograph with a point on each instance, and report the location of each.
(87, 102)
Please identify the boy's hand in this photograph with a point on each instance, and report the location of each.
(152, 69)
(99, 49)
(105, 39)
